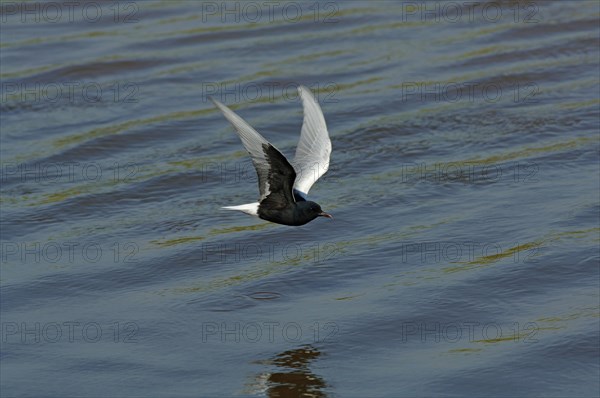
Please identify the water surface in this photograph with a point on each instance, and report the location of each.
(464, 182)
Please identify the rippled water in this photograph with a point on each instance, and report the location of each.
(464, 181)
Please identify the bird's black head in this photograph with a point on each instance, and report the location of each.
(311, 209)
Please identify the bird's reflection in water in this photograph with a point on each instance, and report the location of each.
(295, 379)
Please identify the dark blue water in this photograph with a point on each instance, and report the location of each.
(464, 255)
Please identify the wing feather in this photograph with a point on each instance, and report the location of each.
(275, 174)
(314, 148)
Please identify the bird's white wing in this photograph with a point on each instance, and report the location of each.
(253, 142)
(314, 148)
(273, 170)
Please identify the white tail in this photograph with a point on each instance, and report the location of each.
(249, 208)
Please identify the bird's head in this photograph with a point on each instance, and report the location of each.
(313, 209)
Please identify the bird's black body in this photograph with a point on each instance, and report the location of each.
(284, 205)
(295, 214)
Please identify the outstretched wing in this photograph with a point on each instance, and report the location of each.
(275, 174)
(314, 148)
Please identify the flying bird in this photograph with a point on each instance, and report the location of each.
(284, 186)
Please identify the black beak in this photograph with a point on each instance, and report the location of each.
(323, 214)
